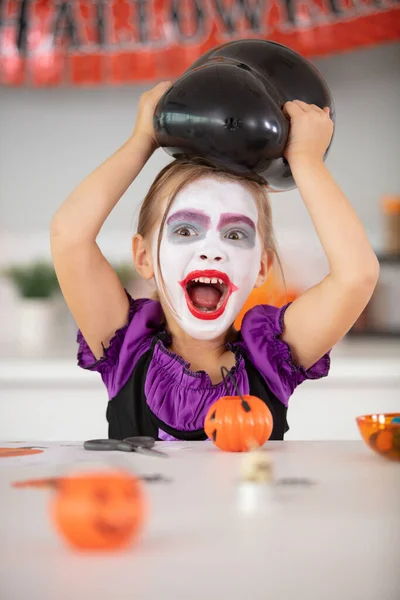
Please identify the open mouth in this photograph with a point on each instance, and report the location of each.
(207, 293)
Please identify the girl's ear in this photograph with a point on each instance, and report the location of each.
(142, 257)
(265, 265)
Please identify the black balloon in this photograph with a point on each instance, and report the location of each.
(227, 108)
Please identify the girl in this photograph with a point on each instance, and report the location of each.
(206, 238)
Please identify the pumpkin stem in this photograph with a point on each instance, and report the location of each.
(225, 374)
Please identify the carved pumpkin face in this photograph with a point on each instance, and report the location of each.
(100, 511)
(237, 424)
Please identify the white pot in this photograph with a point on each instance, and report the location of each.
(36, 331)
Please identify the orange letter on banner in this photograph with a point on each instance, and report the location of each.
(12, 63)
(121, 19)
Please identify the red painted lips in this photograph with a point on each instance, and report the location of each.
(228, 289)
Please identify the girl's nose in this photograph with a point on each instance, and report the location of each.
(212, 255)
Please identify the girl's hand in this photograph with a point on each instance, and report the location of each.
(311, 130)
(147, 105)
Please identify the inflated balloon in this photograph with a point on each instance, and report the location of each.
(227, 108)
(238, 423)
(99, 511)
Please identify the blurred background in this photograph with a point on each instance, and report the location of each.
(60, 118)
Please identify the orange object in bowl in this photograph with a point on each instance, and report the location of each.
(99, 511)
(381, 432)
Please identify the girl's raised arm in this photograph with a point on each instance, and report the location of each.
(321, 316)
(89, 284)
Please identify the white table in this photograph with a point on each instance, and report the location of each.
(336, 539)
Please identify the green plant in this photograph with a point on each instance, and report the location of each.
(37, 280)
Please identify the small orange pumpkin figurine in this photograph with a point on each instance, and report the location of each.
(238, 423)
(99, 511)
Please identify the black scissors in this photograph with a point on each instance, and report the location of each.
(140, 444)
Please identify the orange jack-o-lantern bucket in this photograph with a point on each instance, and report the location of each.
(102, 511)
(238, 423)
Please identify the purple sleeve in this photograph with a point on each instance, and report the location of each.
(126, 346)
(262, 329)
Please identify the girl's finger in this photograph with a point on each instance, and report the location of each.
(316, 108)
(309, 107)
(156, 92)
(302, 105)
(291, 109)
(160, 87)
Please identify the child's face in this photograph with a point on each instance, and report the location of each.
(210, 255)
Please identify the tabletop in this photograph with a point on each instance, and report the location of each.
(327, 528)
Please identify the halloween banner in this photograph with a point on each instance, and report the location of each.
(89, 42)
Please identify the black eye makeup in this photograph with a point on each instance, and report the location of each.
(187, 226)
(183, 233)
(235, 235)
(242, 236)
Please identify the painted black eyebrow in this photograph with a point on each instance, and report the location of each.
(190, 215)
(232, 218)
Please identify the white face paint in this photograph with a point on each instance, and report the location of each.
(210, 255)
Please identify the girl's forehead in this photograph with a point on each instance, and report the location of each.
(214, 197)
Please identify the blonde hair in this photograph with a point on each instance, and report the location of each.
(180, 173)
